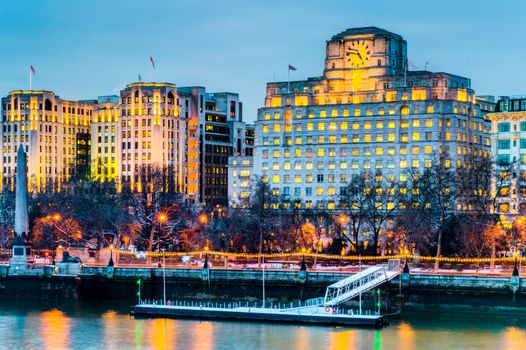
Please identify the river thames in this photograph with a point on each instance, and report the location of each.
(108, 326)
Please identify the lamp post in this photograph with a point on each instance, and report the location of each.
(164, 276)
(111, 263)
(303, 268)
(161, 219)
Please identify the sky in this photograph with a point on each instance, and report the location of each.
(84, 49)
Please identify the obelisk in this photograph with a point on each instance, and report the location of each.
(21, 244)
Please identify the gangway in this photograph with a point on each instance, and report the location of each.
(352, 286)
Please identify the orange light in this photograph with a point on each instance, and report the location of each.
(111, 246)
(57, 217)
(343, 219)
(162, 217)
(203, 219)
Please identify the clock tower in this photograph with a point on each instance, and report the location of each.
(358, 57)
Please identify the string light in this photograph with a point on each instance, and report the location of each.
(320, 256)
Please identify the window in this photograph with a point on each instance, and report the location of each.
(504, 144)
(523, 126)
(523, 143)
(504, 127)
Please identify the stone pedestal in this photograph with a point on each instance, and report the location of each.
(21, 250)
(68, 268)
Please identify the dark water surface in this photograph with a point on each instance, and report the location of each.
(108, 326)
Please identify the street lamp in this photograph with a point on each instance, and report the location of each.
(164, 276)
(110, 263)
(203, 219)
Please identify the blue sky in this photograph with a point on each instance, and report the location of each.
(82, 49)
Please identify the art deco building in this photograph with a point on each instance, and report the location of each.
(365, 113)
(55, 133)
(152, 135)
(508, 144)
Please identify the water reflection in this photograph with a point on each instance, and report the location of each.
(406, 336)
(514, 338)
(98, 328)
(341, 339)
(54, 329)
(203, 335)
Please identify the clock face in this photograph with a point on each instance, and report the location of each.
(358, 53)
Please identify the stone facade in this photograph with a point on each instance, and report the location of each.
(366, 113)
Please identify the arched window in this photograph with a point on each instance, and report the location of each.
(171, 98)
(48, 105)
(404, 110)
(136, 95)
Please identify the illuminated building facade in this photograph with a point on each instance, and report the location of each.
(508, 145)
(366, 113)
(240, 167)
(221, 133)
(104, 136)
(152, 135)
(54, 132)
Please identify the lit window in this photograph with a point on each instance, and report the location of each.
(323, 114)
(355, 126)
(379, 151)
(416, 136)
(416, 123)
(428, 149)
(357, 112)
(321, 152)
(343, 126)
(276, 127)
(332, 126)
(275, 154)
(265, 128)
(275, 179)
(379, 125)
(391, 124)
(321, 126)
(343, 165)
(367, 138)
(415, 163)
(391, 137)
(416, 150)
(379, 137)
(403, 164)
(367, 125)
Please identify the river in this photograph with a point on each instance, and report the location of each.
(108, 326)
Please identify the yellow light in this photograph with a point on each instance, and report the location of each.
(203, 219)
(162, 217)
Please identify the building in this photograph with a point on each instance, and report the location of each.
(104, 136)
(508, 145)
(54, 132)
(221, 134)
(240, 169)
(367, 112)
(187, 132)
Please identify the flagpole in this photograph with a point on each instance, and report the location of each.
(30, 79)
(288, 70)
